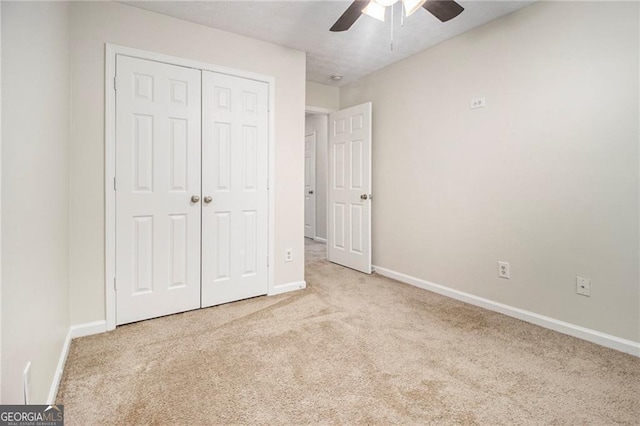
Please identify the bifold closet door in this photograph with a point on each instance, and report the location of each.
(234, 188)
(158, 178)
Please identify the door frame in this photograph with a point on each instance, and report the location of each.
(111, 50)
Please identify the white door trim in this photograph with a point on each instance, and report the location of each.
(111, 50)
(319, 110)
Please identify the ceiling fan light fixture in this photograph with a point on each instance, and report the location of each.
(386, 3)
(444, 10)
(375, 10)
(411, 6)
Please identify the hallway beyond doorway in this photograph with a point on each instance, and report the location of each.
(314, 251)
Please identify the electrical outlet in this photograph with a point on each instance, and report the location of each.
(477, 103)
(26, 383)
(583, 286)
(288, 255)
(503, 270)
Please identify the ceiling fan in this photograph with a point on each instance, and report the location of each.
(444, 10)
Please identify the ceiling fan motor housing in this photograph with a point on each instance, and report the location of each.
(444, 10)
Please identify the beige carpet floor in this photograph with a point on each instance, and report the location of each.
(350, 349)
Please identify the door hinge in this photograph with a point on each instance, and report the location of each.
(115, 286)
(267, 260)
(115, 83)
(114, 183)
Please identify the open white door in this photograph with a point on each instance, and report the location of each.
(158, 189)
(310, 185)
(349, 233)
(235, 151)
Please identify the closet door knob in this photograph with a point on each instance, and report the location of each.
(208, 199)
(195, 198)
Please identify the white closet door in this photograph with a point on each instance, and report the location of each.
(349, 234)
(234, 175)
(157, 177)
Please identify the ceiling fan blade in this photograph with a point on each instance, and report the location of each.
(349, 16)
(444, 10)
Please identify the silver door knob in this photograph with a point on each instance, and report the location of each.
(364, 197)
(208, 199)
(195, 198)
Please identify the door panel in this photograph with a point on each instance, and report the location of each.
(157, 172)
(349, 242)
(310, 185)
(234, 174)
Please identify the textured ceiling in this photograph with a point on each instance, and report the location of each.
(304, 25)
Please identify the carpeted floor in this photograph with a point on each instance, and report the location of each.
(350, 349)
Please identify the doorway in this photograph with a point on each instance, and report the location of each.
(316, 178)
(338, 195)
(310, 185)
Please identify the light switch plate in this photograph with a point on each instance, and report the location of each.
(504, 271)
(477, 103)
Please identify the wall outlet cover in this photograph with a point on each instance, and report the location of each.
(583, 286)
(26, 383)
(504, 271)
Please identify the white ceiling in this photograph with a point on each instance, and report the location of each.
(304, 25)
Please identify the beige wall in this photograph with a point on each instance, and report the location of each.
(93, 25)
(319, 123)
(322, 96)
(545, 177)
(35, 194)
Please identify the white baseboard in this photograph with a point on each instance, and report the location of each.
(320, 240)
(285, 288)
(57, 377)
(79, 330)
(87, 329)
(603, 339)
